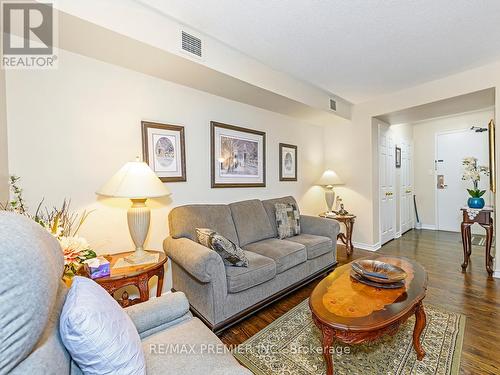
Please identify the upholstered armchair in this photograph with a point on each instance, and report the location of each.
(32, 296)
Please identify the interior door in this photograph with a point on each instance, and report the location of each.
(451, 149)
(406, 191)
(386, 185)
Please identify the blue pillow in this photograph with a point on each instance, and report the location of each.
(98, 333)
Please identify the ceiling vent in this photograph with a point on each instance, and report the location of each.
(333, 105)
(191, 44)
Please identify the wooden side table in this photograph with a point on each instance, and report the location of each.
(346, 238)
(134, 275)
(484, 219)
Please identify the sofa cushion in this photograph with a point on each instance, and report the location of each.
(189, 348)
(259, 270)
(286, 254)
(315, 245)
(269, 206)
(231, 254)
(184, 220)
(251, 221)
(287, 220)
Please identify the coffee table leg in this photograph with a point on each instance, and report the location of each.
(326, 342)
(420, 322)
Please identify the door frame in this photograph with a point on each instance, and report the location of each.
(436, 210)
(379, 195)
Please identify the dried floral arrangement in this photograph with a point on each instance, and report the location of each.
(60, 222)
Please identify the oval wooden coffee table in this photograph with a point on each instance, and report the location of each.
(354, 313)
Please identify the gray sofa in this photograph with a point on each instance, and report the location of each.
(222, 295)
(32, 296)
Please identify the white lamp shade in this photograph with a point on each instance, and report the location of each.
(329, 178)
(135, 180)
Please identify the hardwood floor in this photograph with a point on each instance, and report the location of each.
(472, 294)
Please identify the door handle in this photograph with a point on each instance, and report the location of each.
(440, 182)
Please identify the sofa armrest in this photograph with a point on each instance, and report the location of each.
(159, 313)
(198, 260)
(320, 226)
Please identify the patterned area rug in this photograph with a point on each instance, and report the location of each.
(292, 345)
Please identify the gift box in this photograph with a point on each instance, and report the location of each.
(97, 267)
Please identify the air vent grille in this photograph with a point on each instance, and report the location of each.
(333, 105)
(191, 44)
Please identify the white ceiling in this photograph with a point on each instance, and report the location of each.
(357, 49)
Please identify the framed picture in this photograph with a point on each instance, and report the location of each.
(288, 162)
(164, 150)
(398, 157)
(238, 156)
(491, 139)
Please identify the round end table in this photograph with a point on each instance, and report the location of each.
(137, 275)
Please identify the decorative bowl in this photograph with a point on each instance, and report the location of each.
(379, 272)
(361, 279)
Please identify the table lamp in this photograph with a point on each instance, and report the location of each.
(328, 180)
(136, 181)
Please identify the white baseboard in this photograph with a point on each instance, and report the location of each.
(429, 226)
(496, 274)
(397, 235)
(365, 246)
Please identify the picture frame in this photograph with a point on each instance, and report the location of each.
(491, 144)
(164, 150)
(288, 162)
(237, 156)
(398, 157)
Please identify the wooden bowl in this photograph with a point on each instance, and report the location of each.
(379, 272)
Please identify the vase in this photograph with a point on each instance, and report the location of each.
(475, 203)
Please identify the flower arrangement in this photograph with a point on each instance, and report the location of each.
(59, 222)
(473, 172)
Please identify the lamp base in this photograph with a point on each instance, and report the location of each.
(329, 198)
(138, 218)
(140, 257)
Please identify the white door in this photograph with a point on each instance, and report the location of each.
(406, 192)
(451, 149)
(386, 185)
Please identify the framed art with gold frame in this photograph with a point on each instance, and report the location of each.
(491, 138)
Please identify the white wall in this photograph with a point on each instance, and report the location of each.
(424, 136)
(83, 123)
(4, 170)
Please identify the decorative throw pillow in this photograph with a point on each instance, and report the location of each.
(98, 333)
(287, 220)
(231, 254)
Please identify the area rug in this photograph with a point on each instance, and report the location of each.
(292, 345)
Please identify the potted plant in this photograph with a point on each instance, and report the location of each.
(473, 172)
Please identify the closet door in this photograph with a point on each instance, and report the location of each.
(387, 194)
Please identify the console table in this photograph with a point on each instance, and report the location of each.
(484, 219)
